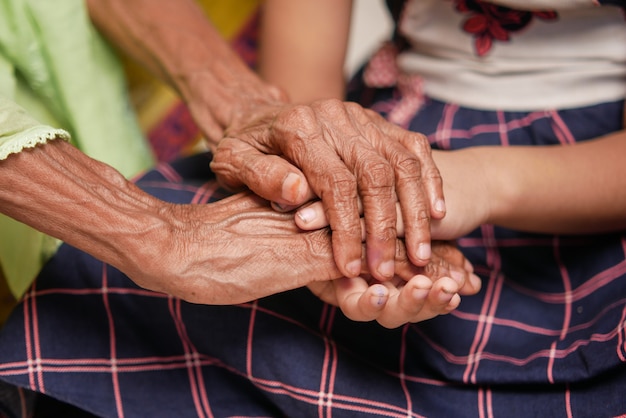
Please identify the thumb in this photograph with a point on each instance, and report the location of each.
(237, 164)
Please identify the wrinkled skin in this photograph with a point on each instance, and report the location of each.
(232, 251)
(346, 153)
(287, 153)
(252, 251)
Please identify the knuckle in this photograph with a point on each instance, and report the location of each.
(329, 105)
(432, 174)
(382, 234)
(408, 170)
(422, 216)
(342, 185)
(376, 174)
(300, 116)
(420, 140)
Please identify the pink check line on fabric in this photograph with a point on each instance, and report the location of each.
(557, 354)
(490, 304)
(253, 310)
(481, 404)
(567, 290)
(275, 386)
(442, 135)
(329, 365)
(522, 361)
(621, 343)
(587, 288)
(27, 335)
(100, 365)
(551, 359)
(308, 395)
(32, 324)
(194, 368)
(568, 402)
(94, 291)
(205, 192)
(112, 345)
(560, 129)
(492, 127)
(168, 172)
(502, 129)
(323, 396)
(522, 242)
(402, 365)
(540, 330)
(349, 403)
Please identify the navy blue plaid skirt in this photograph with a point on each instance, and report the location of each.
(544, 337)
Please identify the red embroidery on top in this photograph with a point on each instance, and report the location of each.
(489, 22)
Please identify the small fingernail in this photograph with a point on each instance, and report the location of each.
(458, 277)
(423, 251)
(386, 268)
(379, 297)
(306, 215)
(278, 207)
(446, 295)
(354, 268)
(476, 282)
(440, 206)
(420, 294)
(291, 188)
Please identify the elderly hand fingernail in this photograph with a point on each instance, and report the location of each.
(386, 268)
(420, 294)
(423, 251)
(458, 277)
(476, 282)
(440, 206)
(291, 188)
(278, 207)
(354, 268)
(380, 295)
(306, 215)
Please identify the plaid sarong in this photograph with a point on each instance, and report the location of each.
(544, 337)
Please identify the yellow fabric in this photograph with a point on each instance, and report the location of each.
(229, 16)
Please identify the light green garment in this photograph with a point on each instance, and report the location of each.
(54, 65)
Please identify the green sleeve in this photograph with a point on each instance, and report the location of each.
(22, 249)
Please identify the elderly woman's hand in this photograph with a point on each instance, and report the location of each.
(344, 153)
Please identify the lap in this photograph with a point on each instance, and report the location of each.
(86, 335)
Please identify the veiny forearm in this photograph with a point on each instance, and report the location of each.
(561, 189)
(176, 42)
(232, 251)
(60, 191)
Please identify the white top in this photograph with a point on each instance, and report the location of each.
(576, 57)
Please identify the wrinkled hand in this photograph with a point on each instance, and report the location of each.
(342, 152)
(435, 291)
(232, 251)
(461, 217)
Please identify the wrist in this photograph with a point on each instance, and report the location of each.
(220, 100)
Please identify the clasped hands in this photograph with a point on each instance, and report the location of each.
(354, 162)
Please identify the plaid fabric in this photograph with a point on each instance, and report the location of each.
(545, 336)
